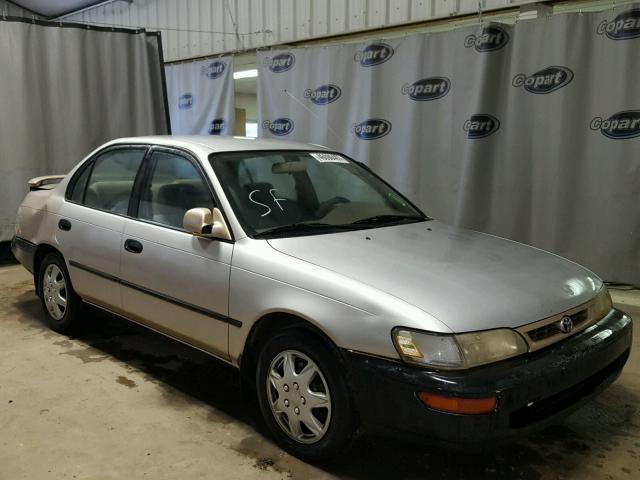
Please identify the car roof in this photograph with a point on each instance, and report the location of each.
(217, 143)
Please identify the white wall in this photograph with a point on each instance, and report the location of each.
(250, 104)
(192, 28)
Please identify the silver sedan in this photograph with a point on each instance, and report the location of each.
(342, 305)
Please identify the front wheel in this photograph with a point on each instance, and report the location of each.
(303, 396)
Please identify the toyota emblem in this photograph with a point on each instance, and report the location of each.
(566, 324)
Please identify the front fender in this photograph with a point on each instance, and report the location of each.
(353, 315)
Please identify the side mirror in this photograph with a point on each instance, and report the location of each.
(203, 222)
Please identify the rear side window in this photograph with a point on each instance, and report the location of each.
(175, 186)
(110, 180)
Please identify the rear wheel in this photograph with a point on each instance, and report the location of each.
(60, 303)
(304, 397)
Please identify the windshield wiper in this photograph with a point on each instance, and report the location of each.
(380, 219)
(314, 227)
(302, 228)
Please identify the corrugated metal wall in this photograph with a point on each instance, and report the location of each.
(192, 28)
(11, 10)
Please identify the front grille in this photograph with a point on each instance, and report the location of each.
(548, 331)
(551, 329)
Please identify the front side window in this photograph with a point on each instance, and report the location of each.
(278, 193)
(110, 180)
(174, 187)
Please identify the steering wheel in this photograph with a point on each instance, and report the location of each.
(328, 205)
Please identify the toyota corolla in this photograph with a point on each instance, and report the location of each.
(341, 304)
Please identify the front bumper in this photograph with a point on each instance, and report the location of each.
(533, 390)
(24, 251)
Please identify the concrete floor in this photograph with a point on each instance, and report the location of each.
(119, 401)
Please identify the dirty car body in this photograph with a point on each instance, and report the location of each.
(340, 302)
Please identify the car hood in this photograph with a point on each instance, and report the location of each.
(467, 280)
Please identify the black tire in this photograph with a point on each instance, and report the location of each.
(69, 320)
(341, 424)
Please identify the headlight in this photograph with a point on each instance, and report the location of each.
(602, 304)
(455, 352)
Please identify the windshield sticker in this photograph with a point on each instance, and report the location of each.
(329, 158)
(276, 200)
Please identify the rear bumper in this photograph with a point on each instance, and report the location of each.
(24, 251)
(532, 390)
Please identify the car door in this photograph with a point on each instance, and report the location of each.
(91, 221)
(173, 281)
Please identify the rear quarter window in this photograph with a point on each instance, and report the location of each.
(106, 182)
(79, 184)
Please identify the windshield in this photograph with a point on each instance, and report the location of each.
(287, 193)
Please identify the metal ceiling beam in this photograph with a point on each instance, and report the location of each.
(94, 4)
(86, 7)
(89, 7)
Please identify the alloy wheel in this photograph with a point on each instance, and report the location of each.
(54, 289)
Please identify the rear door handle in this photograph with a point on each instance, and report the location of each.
(132, 246)
(64, 224)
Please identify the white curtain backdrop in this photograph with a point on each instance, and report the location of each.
(64, 91)
(201, 97)
(530, 131)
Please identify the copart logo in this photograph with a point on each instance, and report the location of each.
(372, 129)
(214, 70)
(217, 126)
(373, 54)
(324, 94)
(491, 38)
(621, 125)
(280, 63)
(481, 125)
(547, 80)
(280, 126)
(185, 102)
(427, 89)
(623, 27)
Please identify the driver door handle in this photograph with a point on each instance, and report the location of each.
(132, 246)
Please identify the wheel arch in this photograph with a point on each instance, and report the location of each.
(268, 325)
(42, 250)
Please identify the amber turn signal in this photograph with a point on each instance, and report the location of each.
(465, 406)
